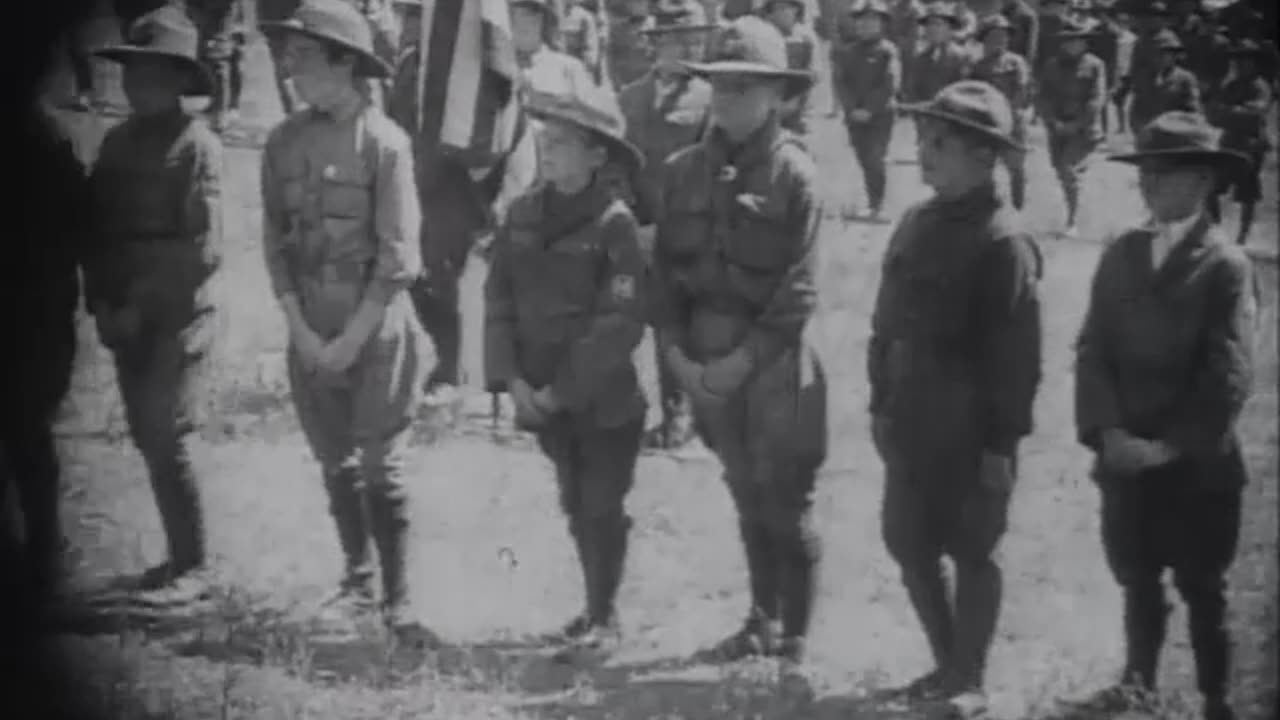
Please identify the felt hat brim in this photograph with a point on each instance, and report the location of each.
(798, 81)
(677, 29)
(369, 65)
(954, 20)
(1189, 156)
(619, 149)
(201, 83)
(926, 109)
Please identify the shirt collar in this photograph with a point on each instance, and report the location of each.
(1175, 231)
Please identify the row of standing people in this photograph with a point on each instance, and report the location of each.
(729, 283)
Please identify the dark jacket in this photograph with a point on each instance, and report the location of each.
(866, 75)
(1167, 354)
(1155, 94)
(1240, 108)
(935, 68)
(954, 354)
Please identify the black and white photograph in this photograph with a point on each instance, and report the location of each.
(642, 360)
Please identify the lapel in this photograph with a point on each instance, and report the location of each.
(1184, 258)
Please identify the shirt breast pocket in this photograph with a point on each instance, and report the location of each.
(685, 228)
(345, 204)
(759, 249)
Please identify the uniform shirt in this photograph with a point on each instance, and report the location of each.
(659, 124)
(936, 67)
(735, 253)
(1074, 91)
(955, 348)
(801, 46)
(1240, 108)
(1174, 88)
(866, 75)
(1166, 353)
(565, 304)
(156, 210)
(1009, 73)
(341, 214)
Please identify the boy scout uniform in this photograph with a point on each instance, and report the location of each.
(155, 202)
(1009, 73)
(341, 228)
(221, 38)
(275, 11)
(580, 37)
(565, 310)
(801, 47)
(867, 75)
(663, 116)
(735, 264)
(954, 366)
(1165, 354)
(904, 30)
(1240, 109)
(40, 292)
(1072, 99)
(936, 67)
(1157, 91)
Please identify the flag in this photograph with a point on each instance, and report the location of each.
(467, 95)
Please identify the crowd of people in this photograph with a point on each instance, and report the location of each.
(665, 184)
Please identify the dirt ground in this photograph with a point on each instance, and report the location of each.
(492, 563)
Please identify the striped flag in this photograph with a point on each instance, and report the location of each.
(467, 98)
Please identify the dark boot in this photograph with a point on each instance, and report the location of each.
(350, 517)
(760, 633)
(798, 555)
(611, 535)
(1145, 618)
(173, 479)
(578, 625)
(927, 590)
(977, 606)
(1206, 610)
(389, 519)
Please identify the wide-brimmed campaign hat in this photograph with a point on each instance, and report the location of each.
(948, 11)
(337, 23)
(974, 105)
(871, 7)
(1248, 48)
(1183, 137)
(1169, 41)
(1072, 29)
(995, 22)
(767, 6)
(164, 34)
(752, 46)
(683, 16)
(594, 110)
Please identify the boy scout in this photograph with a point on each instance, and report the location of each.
(455, 211)
(218, 22)
(942, 61)
(954, 366)
(628, 53)
(1024, 23)
(734, 265)
(40, 291)
(1163, 371)
(340, 239)
(1009, 73)
(1240, 108)
(1072, 98)
(580, 36)
(867, 76)
(155, 195)
(788, 17)
(1167, 86)
(565, 311)
(666, 110)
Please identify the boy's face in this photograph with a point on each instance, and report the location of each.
(996, 41)
(672, 48)
(937, 31)
(568, 156)
(316, 76)
(526, 27)
(949, 160)
(868, 26)
(1074, 47)
(742, 104)
(152, 84)
(1173, 191)
(784, 15)
(1168, 58)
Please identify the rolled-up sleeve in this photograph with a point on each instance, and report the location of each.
(275, 222)
(396, 222)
